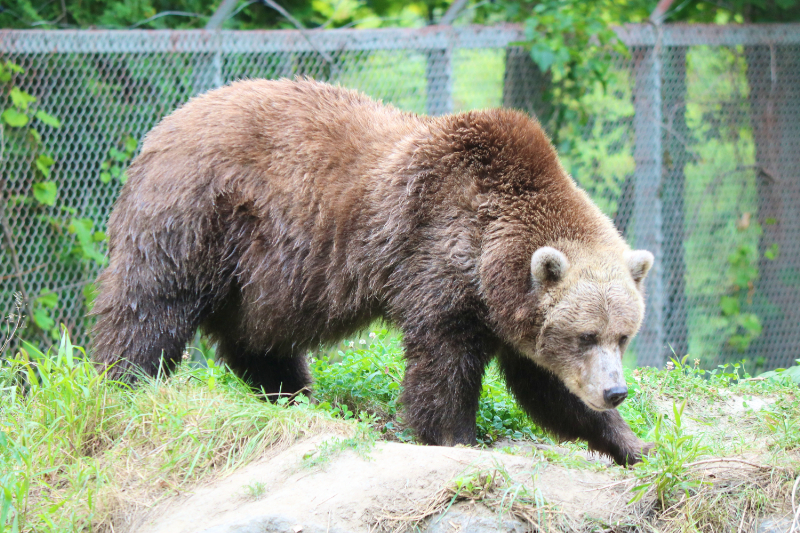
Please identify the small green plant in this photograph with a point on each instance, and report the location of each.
(13, 321)
(365, 376)
(666, 470)
(255, 490)
(783, 422)
(362, 442)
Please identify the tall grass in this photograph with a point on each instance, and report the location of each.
(78, 452)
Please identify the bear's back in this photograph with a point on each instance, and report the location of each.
(279, 134)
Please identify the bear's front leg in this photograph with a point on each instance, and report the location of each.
(551, 405)
(442, 384)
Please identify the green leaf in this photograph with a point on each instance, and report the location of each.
(729, 305)
(20, 98)
(82, 229)
(130, 145)
(45, 192)
(543, 57)
(105, 177)
(6, 70)
(48, 119)
(117, 155)
(35, 135)
(43, 163)
(771, 253)
(751, 323)
(42, 319)
(14, 118)
(771, 221)
(89, 295)
(47, 298)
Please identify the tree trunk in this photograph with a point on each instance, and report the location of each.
(675, 135)
(773, 73)
(525, 87)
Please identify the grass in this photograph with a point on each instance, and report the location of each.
(80, 453)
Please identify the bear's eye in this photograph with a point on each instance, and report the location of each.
(623, 340)
(588, 339)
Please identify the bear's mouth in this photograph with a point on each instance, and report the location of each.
(593, 406)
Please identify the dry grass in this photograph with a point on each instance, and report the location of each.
(731, 496)
(493, 489)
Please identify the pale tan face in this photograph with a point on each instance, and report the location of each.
(593, 311)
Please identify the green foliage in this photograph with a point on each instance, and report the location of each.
(43, 307)
(573, 40)
(68, 237)
(114, 166)
(186, 14)
(743, 273)
(666, 470)
(255, 490)
(362, 442)
(792, 373)
(22, 113)
(362, 377)
(499, 416)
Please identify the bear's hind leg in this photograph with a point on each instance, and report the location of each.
(144, 320)
(275, 372)
(551, 405)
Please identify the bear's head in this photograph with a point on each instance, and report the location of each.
(589, 308)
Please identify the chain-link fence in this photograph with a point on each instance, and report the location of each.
(693, 147)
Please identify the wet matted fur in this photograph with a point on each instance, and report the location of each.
(278, 215)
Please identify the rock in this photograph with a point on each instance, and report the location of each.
(474, 519)
(274, 524)
(773, 524)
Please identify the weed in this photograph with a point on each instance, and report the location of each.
(783, 422)
(499, 416)
(13, 322)
(665, 470)
(255, 490)
(362, 442)
(364, 376)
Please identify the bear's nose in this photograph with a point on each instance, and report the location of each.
(615, 395)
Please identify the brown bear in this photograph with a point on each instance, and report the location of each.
(279, 215)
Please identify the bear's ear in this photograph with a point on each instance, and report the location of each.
(548, 265)
(639, 263)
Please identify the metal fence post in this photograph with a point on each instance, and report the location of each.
(647, 218)
(439, 79)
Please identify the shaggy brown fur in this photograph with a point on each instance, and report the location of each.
(279, 215)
